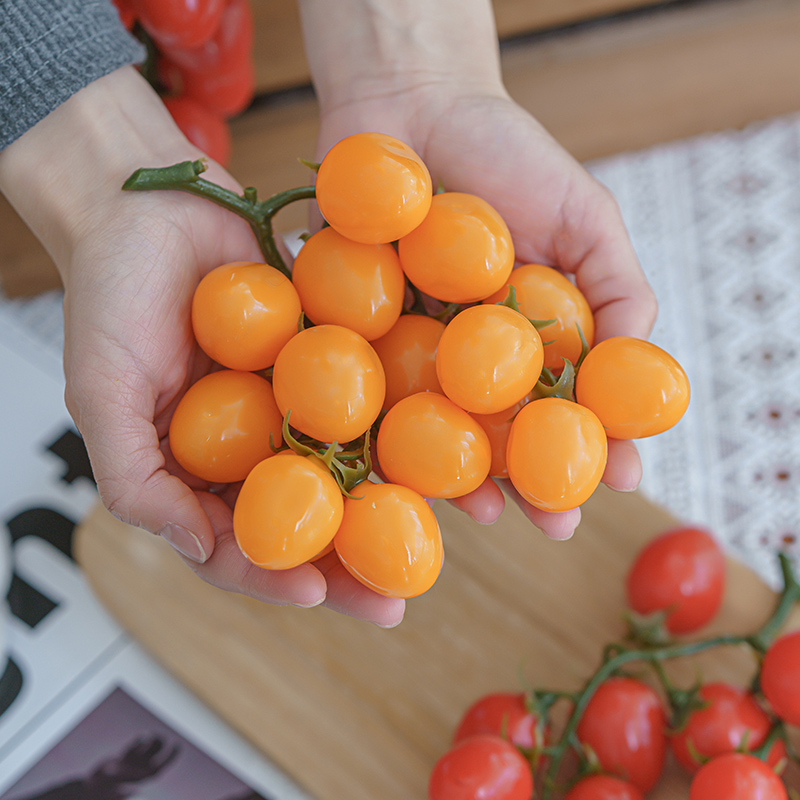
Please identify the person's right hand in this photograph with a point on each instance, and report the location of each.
(130, 263)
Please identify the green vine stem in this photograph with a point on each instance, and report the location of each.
(617, 656)
(185, 177)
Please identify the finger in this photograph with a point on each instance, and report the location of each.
(484, 505)
(554, 525)
(623, 471)
(349, 596)
(228, 569)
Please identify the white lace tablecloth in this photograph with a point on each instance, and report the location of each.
(715, 221)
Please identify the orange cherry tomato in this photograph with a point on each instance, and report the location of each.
(373, 188)
(332, 381)
(461, 252)
(221, 427)
(243, 313)
(497, 426)
(359, 286)
(390, 540)
(428, 443)
(544, 293)
(633, 386)
(556, 453)
(408, 355)
(287, 512)
(489, 357)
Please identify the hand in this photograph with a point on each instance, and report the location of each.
(130, 263)
(457, 116)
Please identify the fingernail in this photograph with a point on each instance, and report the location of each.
(312, 604)
(184, 541)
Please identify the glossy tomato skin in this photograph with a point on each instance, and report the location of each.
(681, 571)
(624, 723)
(780, 677)
(360, 286)
(180, 23)
(736, 776)
(497, 427)
(544, 293)
(482, 766)
(203, 128)
(428, 443)
(373, 188)
(288, 510)
(489, 358)
(408, 354)
(225, 92)
(389, 540)
(556, 453)
(635, 388)
(461, 252)
(731, 720)
(332, 381)
(221, 427)
(503, 714)
(603, 787)
(243, 313)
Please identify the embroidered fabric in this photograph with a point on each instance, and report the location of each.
(715, 221)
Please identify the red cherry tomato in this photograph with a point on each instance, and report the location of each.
(428, 443)
(484, 766)
(408, 354)
(332, 381)
(780, 677)
(221, 427)
(603, 787)
(389, 540)
(204, 129)
(360, 286)
(635, 388)
(461, 252)
(544, 293)
(489, 358)
(288, 510)
(736, 776)
(127, 12)
(180, 23)
(731, 720)
(624, 723)
(243, 314)
(373, 188)
(225, 92)
(497, 427)
(556, 453)
(504, 714)
(682, 571)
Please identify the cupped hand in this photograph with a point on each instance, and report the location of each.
(476, 139)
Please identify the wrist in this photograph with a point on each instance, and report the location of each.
(58, 175)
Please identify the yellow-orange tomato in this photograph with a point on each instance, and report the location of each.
(556, 453)
(408, 355)
(497, 427)
(288, 511)
(360, 286)
(243, 314)
(428, 443)
(633, 386)
(489, 357)
(544, 293)
(390, 540)
(221, 427)
(373, 188)
(332, 381)
(461, 252)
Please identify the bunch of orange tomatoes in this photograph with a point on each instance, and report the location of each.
(200, 62)
(403, 321)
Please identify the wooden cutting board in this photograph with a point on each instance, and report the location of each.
(353, 711)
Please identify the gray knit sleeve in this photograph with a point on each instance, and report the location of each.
(49, 49)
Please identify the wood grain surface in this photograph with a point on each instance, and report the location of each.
(350, 710)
